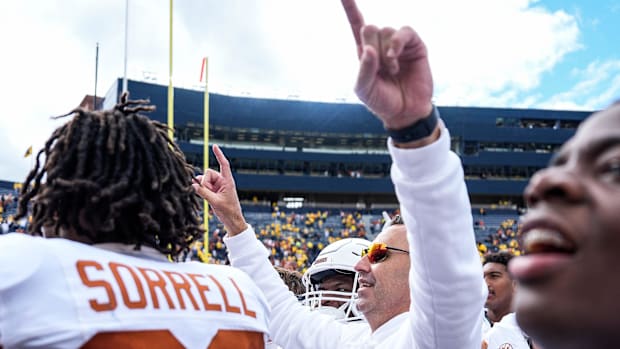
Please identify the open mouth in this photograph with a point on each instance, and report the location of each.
(547, 251)
(491, 294)
(538, 241)
(363, 283)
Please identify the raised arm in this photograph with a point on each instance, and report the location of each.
(289, 320)
(447, 289)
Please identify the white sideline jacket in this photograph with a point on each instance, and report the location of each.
(447, 288)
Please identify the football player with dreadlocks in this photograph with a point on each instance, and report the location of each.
(112, 199)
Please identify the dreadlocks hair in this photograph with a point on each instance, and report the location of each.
(114, 176)
(292, 279)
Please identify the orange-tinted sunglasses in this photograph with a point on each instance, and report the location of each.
(378, 252)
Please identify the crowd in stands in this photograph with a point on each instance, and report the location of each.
(506, 237)
(295, 239)
(498, 229)
(8, 207)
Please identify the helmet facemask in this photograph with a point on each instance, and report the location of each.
(338, 304)
(331, 281)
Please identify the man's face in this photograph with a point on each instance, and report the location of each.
(337, 283)
(500, 286)
(384, 286)
(570, 278)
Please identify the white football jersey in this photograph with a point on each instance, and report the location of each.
(57, 293)
(486, 323)
(505, 334)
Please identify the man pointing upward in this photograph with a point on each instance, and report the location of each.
(433, 261)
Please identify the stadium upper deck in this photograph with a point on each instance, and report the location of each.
(334, 153)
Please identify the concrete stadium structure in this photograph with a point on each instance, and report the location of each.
(334, 154)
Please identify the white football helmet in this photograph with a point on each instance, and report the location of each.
(338, 258)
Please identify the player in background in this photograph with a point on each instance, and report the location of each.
(501, 288)
(502, 324)
(331, 281)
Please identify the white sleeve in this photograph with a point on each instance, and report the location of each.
(291, 324)
(447, 288)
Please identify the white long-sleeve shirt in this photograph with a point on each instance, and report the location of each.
(447, 288)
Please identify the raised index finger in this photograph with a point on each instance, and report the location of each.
(356, 20)
(221, 159)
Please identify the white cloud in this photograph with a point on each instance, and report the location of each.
(486, 61)
(598, 86)
(483, 52)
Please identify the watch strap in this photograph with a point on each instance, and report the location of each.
(418, 130)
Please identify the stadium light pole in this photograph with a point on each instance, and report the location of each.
(126, 39)
(205, 153)
(96, 73)
(170, 87)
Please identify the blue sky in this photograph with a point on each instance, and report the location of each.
(495, 53)
(599, 28)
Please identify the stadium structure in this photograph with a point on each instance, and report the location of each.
(309, 173)
(316, 154)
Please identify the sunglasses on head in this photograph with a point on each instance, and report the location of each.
(378, 252)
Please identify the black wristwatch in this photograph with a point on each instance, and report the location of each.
(418, 130)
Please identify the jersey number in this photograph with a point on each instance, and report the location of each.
(164, 339)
